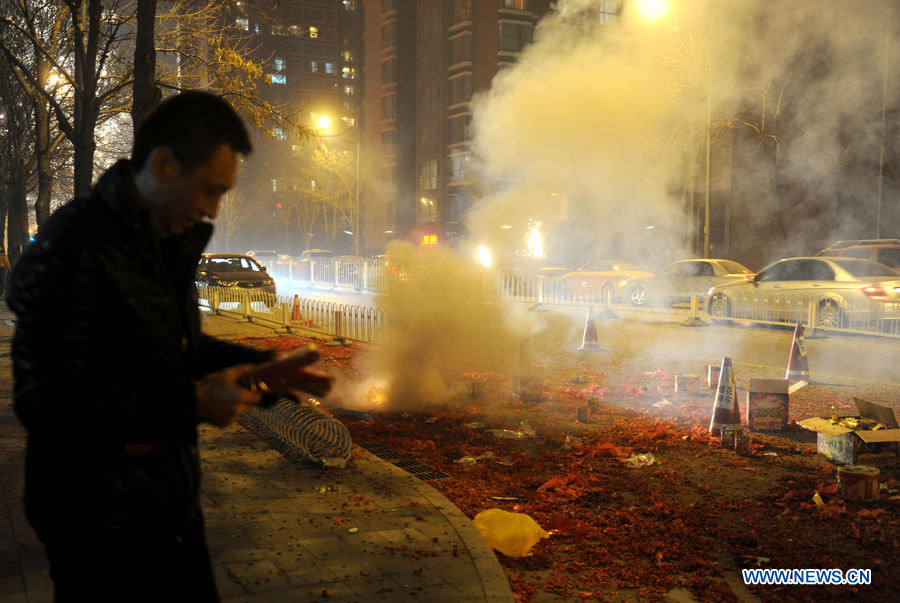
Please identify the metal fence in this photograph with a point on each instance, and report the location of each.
(365, 323)
(362, 323)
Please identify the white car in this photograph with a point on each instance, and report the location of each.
(845, 292)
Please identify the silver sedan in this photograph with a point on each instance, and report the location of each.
(834, 292)
(674, 284)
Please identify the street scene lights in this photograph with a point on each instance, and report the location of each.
(653, 9)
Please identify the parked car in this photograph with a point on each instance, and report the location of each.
(846, 291)
(674, 284)
(599, 280)
(525, 277)
(236, 272)
(315, 265)
(886, 251)
(350, 270)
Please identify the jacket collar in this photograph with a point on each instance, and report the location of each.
(116, 189)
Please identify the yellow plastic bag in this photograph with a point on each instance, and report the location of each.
(513, 534)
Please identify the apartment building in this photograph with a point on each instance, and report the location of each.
(311, 55)
(423, 62)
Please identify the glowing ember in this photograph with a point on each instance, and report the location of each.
(534, 239)
(377, 395)
(483, 255)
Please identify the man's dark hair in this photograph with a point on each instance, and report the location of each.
(194, 125)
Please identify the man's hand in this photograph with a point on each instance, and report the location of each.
(220, 400)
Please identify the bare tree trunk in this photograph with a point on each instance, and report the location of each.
(17, 233)
(86, 24)
(4, 210)
(44, 168)
(145, 93)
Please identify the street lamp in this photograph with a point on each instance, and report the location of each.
(653, 9)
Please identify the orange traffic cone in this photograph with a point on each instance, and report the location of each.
(296, 319)
(726, 413)
(798, 365)
(589, 341)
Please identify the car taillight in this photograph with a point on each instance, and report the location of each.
(876, 294)
(216, 278)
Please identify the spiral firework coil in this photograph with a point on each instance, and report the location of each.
(314, 434)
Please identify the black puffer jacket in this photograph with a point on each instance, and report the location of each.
(105, 352)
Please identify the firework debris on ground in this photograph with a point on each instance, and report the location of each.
(691, 518)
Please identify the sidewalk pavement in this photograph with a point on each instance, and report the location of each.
(282, 530)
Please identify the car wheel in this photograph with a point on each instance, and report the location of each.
(638, 296)
(829, 315)
(720, 307)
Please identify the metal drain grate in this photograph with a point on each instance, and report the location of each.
(415, 468)
(419, 470)
(382, 452)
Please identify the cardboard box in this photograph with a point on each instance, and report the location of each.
(859, 445)
(767, 404)
(712, 375)
(687, 384)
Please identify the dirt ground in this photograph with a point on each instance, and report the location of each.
(680, 528)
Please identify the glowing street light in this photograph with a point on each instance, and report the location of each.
(653, 9)
(324, 122)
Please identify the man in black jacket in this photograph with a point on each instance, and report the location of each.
(112, 373)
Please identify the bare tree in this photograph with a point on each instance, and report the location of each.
(15, 162)
(335, 174)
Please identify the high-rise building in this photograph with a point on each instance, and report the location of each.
(423, 61)
(310, 51)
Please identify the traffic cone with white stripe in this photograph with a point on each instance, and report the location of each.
(589, 341)
(726, 413)
(798, 365)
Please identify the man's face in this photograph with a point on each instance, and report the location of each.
(188, 198)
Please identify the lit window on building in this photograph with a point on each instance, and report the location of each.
(329, 67)
(278, 63)
(312, 184)
(279, 78)
(349, 73)
(295, 150)
(459, 165)
(428, 175)
(313, 32)
(349, 4)
(243, 23)
(460, 10)
(517, 4)
(348, 90)
(279, 134)
(514, 36)
(274, 185)
(296, 31)
(350, 121)
(429, 239)
(313, 66)
(347, 55)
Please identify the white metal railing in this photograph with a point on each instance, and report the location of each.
(362, 323)
(368, 324)
(834, 313)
